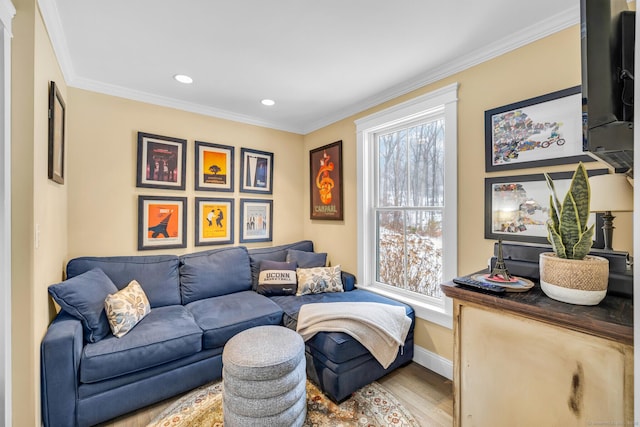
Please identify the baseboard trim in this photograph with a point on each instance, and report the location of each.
(433, 362)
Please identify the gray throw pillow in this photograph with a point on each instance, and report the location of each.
(83, 297)
(307, 259)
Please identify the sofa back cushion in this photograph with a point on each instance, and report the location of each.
(213, 273)
(156, 274)
(274, 253)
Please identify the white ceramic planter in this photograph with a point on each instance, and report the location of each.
(573, 281)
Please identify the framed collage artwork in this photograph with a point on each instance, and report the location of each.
(541, 131)
(517, 207)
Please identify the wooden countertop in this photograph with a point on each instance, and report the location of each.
(611, 319)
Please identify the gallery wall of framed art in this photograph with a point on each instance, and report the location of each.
(537, 133)
(163, 221)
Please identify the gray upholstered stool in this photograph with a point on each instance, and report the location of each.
(264, 378)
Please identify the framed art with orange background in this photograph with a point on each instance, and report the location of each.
(214, 167)
(214, 221)
(162, 222)
(325, 165)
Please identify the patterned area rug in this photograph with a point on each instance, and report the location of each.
(370, 406)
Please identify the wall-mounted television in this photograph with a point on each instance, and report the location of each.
(608, 46)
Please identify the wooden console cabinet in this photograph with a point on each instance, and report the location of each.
(524, 359)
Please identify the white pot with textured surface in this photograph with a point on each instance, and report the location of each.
(574, 281)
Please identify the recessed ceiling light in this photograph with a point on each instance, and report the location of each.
(183, 79)
(268, 102)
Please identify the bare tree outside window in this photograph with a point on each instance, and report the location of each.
(410, 203)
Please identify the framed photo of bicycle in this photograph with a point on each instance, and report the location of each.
(214, 167)
(541, 131)
(214, 221)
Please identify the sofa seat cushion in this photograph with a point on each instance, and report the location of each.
(157, 274)
(165, 334)
(335, 346)
(222, 317)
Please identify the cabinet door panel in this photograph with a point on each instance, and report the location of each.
(520, 372)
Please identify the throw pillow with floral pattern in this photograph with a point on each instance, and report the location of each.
(318, 280)
(126, 308)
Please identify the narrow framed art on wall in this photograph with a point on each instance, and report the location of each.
(161, 162)
(256, 222)
(541, 131)
(162, 222)
(56, 134)
(214, 221)
(256, 171)
(214, 167)
(325, 166)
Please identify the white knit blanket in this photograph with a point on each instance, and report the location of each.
(380, 328)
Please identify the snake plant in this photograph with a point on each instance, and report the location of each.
(567, 227)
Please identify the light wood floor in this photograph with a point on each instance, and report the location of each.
(428, 396)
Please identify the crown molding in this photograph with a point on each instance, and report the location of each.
(526, 36)
(51, 18)
(149, 98)
(7, 12)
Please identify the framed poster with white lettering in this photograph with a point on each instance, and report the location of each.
(325, 166)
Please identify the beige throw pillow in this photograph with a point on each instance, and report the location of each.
(126, 308)
(318, 280)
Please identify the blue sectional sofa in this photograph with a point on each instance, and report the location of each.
(198, 302)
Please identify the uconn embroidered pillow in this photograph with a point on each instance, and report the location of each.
(277, 278)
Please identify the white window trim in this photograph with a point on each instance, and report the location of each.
(425, 308)
(7, 12)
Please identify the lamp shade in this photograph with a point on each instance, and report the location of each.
(611, 192)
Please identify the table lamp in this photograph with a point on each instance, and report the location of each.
(610, 193)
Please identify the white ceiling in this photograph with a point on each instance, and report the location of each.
(320, 60)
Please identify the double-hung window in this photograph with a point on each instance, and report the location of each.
(407, 199)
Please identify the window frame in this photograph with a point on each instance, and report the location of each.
(427, 308)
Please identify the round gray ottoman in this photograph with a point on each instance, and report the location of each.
(263, 371)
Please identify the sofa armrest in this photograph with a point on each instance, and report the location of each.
(60, 354)
(348, 281)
